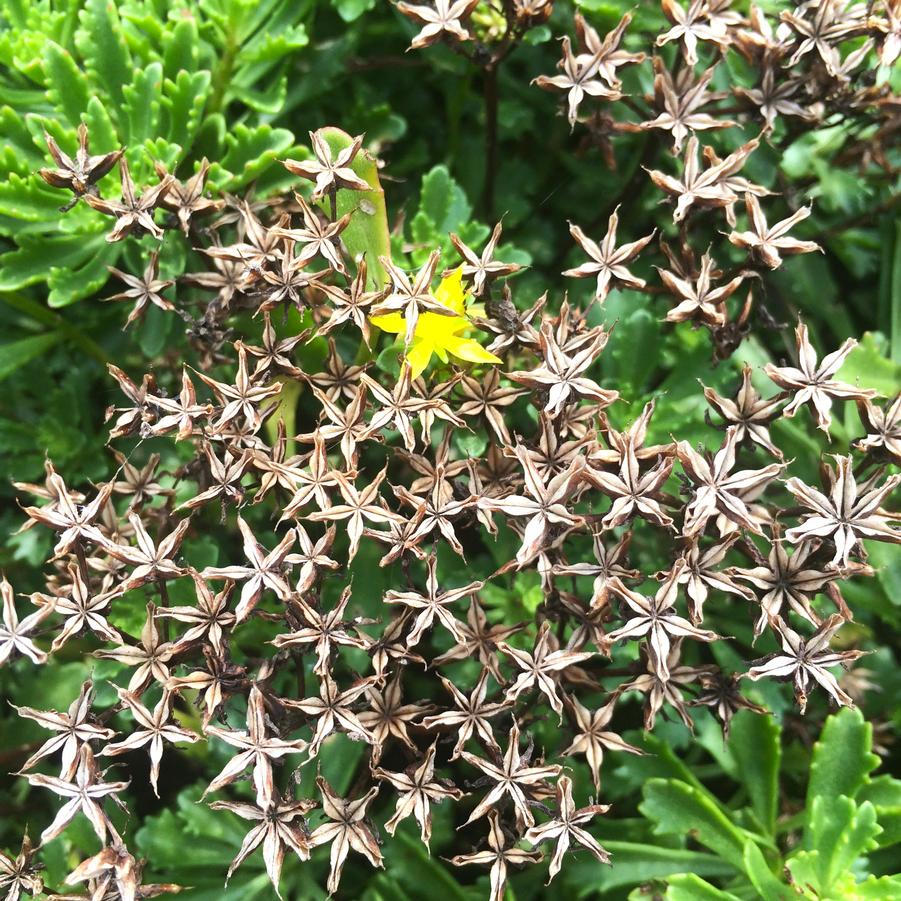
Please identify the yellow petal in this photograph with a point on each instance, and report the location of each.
(418, 357)
(470, 350)
(390, 322)
(451, 292)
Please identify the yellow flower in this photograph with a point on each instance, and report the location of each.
(437, 334)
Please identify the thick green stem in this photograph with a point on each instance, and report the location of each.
(45, 316)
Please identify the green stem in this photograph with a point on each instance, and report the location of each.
(223, 74)
(45, 316)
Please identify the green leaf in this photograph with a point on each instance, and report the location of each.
(30, 199)
(18, 152)
(104, 137)
(886, 560)
(842, 758)
(15, 354)
(153, 330)
(101, 41)
(804, 865)
(890, 288)
(180, 46)
(435, 196)
(884, 793)
(869, 366)
(250, 152)
(680, 809)
(635, 863)
(839, 831)
(754, 741)
(367, 232)
(68, 284)
(640, 329)
(763, 879)
(351, 10)
(415, 868)
(28, 264)
(443, 200)
(141, 106)
(67, 85)
(269, 99)
(688, 887)
(182, 104)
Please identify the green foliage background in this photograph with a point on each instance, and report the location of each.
(241, 82)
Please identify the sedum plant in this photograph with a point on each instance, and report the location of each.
(819, 852)
(171, 84)
(399, 548)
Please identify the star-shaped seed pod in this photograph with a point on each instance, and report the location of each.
(84, 792)
(750, 412)
(281, 828)
(442, 20)
(473, 714)
(656, 620)
(329, 172)
(501, 852)
(681, 99)
(691, 24)
(883, 427)
(579, 79)
(133, 213)
(264, 570)
(482, 268)
(81, 174)
(812, 382)
(566, 827)
(512, 777)
(75, 728)
(608, 261)
(257, 748)
(593, 737)
(768, 243)
(418, 789)
(849, 513)
(540, 669)
(155, 729)
(15, 632)
(186, 199)
(807, 662)
(22, 873)
(345, 828)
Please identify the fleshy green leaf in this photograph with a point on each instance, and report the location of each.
(28, 264)
(68, 284)
(754, 741)
(842, 758)
(634, 863)
(102, 43)
(29, 199)
(869, 366)
(840, 831)
(183, 102)
(689, 887)
(768, 886)
(250, 152)
(351, 10)
(15, 354)
(141, 106)
(367, 233)
(680, 809)
(180, 45)
(66, 83)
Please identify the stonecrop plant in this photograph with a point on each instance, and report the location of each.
(424, 553)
